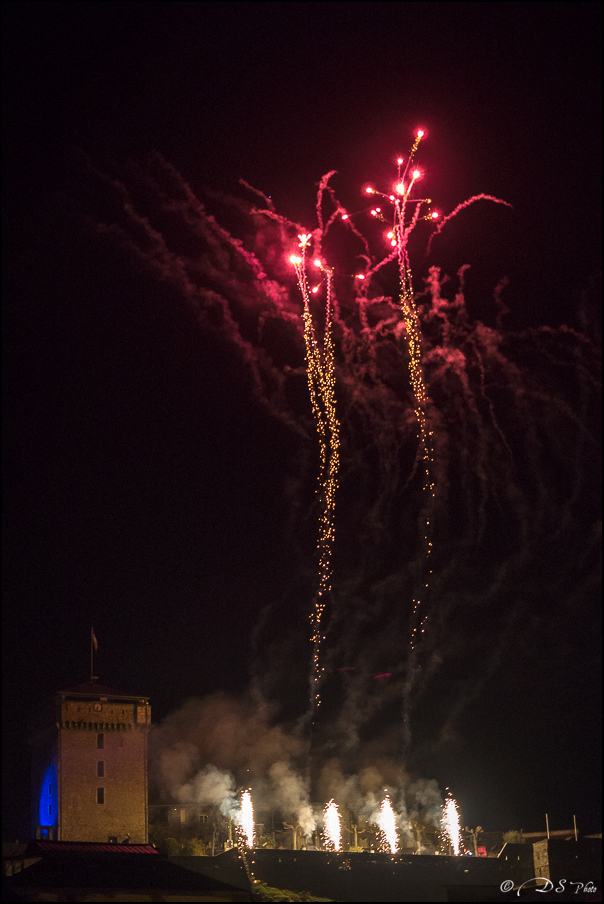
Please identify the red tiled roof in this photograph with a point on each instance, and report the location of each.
(86, 847)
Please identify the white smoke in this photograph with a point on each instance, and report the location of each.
(174, 764)
(425, 800)
(206, 752)
(292, 796)
(211, 787)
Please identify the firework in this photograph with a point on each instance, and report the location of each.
(407, 211)
(414, 346)
(509, 411)
(245, 819)
(450, 825)
(333, 831)
(321, 385)
(387, 824)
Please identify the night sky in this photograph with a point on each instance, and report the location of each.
(160, 458)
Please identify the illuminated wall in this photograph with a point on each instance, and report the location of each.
(89, 768)
(48, 806)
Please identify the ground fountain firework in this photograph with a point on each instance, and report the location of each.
(332, 827)
(245, 819)
(387, 824)
(451, 829)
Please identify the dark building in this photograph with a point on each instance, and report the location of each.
(372, 877)
(577, 860)
(67, 871)
(89, 766)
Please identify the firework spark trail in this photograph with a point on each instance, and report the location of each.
(399, 240)
(414, 345)
(461, 207)
(321, 386)
(387, 824)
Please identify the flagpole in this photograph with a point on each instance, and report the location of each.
(94, 645)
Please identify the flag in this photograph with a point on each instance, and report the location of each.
(93, 639)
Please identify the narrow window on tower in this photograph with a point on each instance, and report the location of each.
(100, 741)
(100, 769)
(100, 795)
(50, 809)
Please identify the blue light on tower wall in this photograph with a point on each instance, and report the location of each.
(49, 798)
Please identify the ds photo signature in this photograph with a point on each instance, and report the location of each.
(508, 885)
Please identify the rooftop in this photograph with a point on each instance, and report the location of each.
(40, 848)
(83, 869)
(93, 689)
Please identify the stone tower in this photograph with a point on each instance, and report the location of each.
(89, 766)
